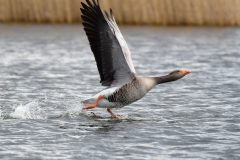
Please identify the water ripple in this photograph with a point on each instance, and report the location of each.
(46, 71)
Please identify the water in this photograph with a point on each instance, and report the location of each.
(45, 72)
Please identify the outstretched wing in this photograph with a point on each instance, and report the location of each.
(110, 50)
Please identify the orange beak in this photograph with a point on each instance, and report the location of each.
(184, 72)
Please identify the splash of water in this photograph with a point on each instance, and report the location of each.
(30, 110)
(72, 111)
(33, 110)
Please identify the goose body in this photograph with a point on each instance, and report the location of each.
(117, 97)
(114, 62)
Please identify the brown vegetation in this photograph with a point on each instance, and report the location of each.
(157, 12)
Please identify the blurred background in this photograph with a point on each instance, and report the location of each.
(151, 12)
(47, 69)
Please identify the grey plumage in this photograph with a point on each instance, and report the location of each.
(128, 93)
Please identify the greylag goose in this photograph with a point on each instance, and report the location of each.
(114, 62)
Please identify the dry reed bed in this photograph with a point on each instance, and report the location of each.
(157, 12)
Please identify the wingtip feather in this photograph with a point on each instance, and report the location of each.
(95, 3)
(89, 3)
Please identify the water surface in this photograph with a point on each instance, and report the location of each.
(46, 70)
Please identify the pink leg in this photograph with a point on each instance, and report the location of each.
(112, 114)
(93, 105)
